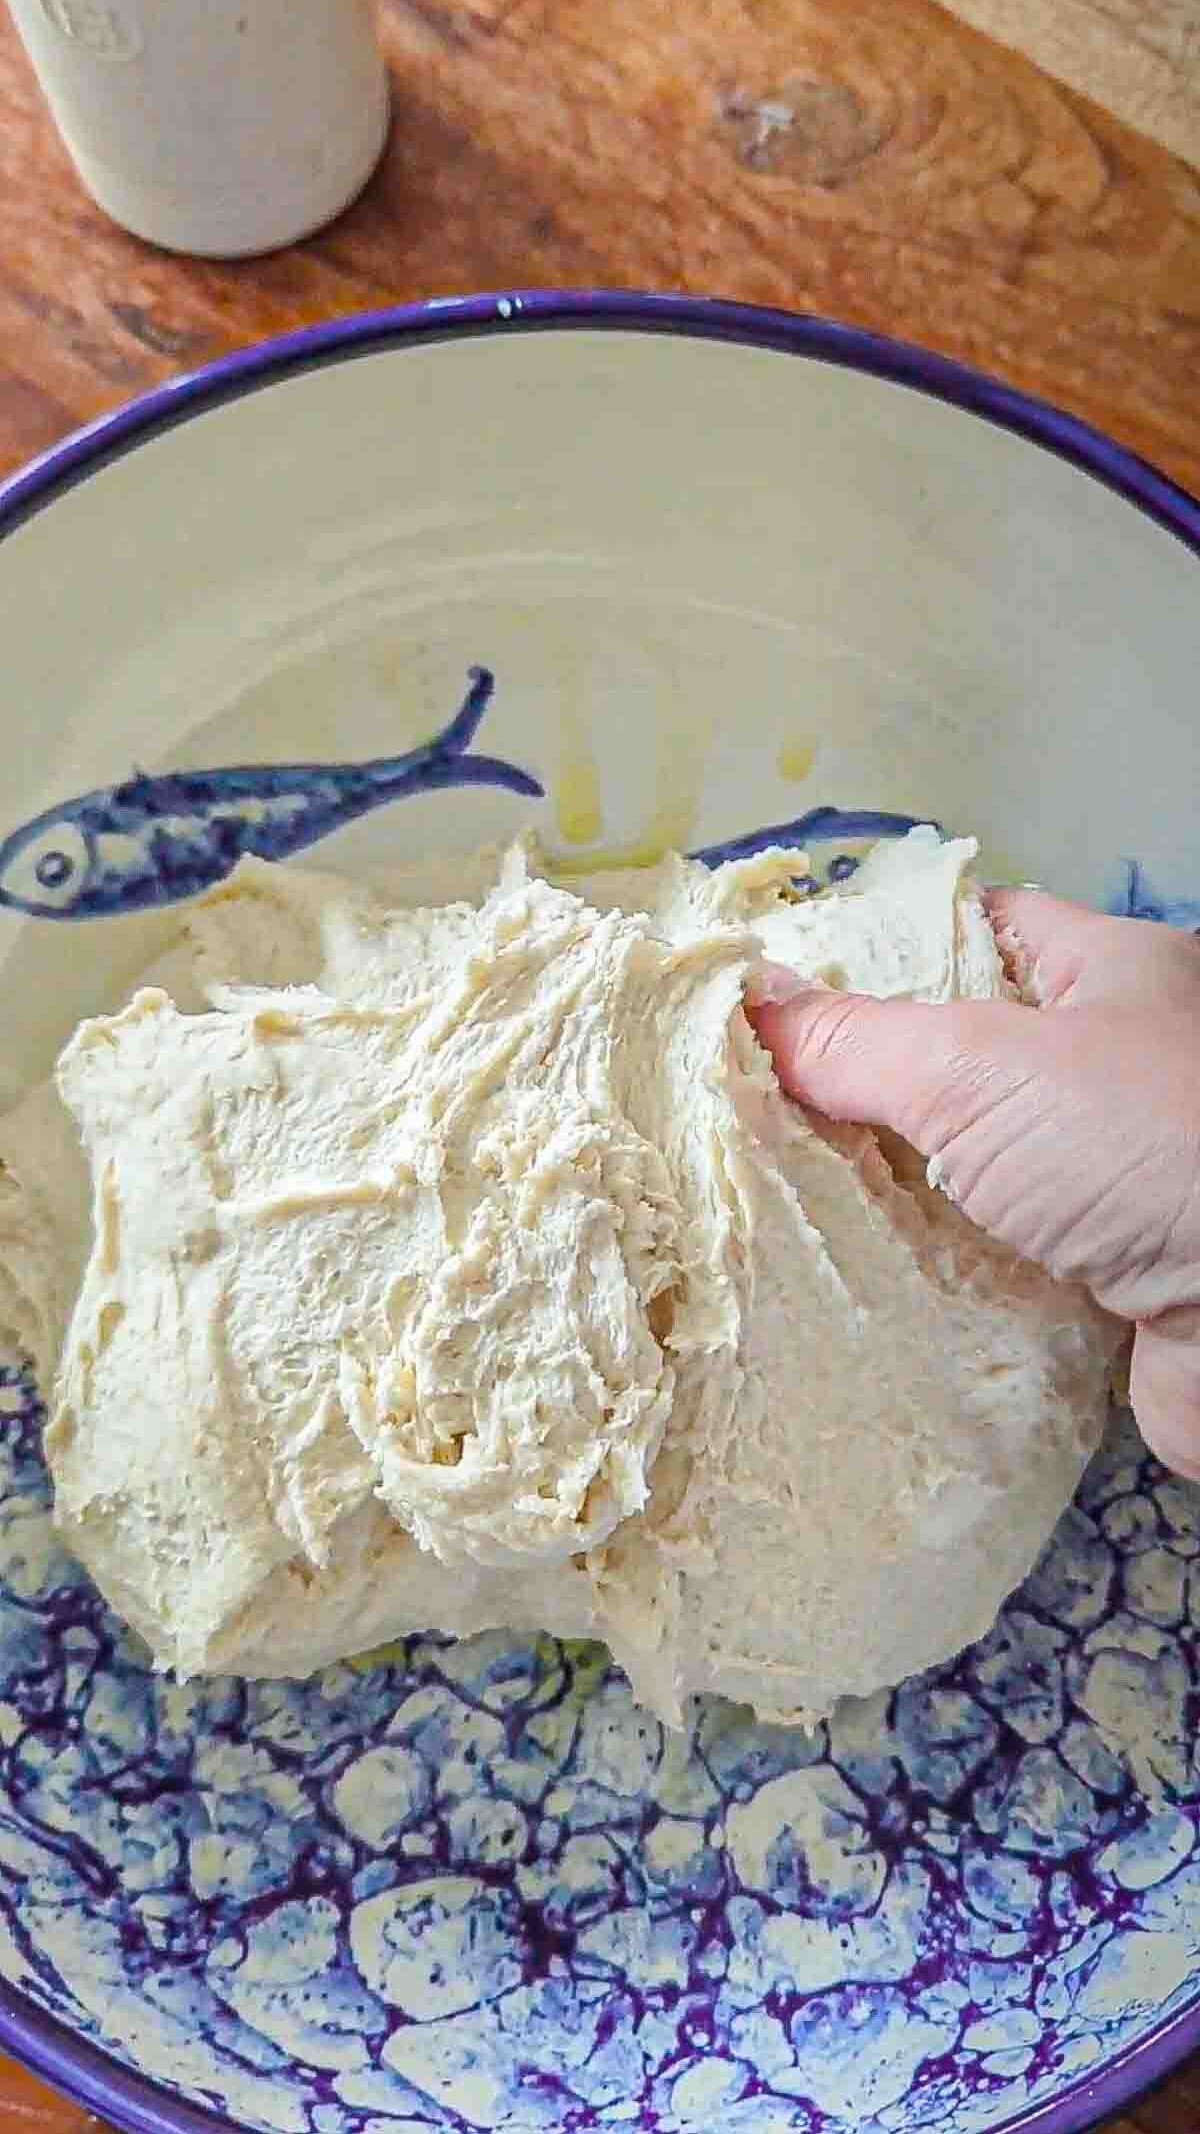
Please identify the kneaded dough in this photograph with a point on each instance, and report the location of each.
(463, 1265)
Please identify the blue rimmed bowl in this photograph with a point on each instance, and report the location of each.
(728, 567)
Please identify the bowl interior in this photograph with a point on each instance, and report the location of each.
(472, 1886)
(716, 586)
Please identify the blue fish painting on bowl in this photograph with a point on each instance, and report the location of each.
(154, 840)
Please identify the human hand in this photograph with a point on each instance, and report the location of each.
(1069, 1130)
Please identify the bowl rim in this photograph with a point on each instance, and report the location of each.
(229, 377)
(75, 2065)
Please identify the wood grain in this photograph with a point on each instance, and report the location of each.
(1139, 58)
(28, 2107)
(869, 158)
(873, 159)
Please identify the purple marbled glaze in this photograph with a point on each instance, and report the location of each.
(473, 1885)
(152, 2020)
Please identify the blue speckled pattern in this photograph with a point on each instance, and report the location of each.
(472, 1886)
(464, 1886)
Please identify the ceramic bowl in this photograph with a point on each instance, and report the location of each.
(727, 567)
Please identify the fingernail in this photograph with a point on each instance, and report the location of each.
(773, 985)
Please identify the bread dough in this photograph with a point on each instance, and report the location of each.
(463, 1265)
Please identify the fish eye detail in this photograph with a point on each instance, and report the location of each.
(157, 839)
(54, 868)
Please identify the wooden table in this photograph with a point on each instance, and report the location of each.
(866, 158)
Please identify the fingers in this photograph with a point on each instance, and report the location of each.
(1064, 955)
(840, 1052)
(932, 1074)
(1046, 943)
(926, 1072)
(1164, 1388)
(890, 1063)
(1070, 1132)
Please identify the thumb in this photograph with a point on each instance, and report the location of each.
(926, 1071)
(1059, 1130)
(1012, 1102)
